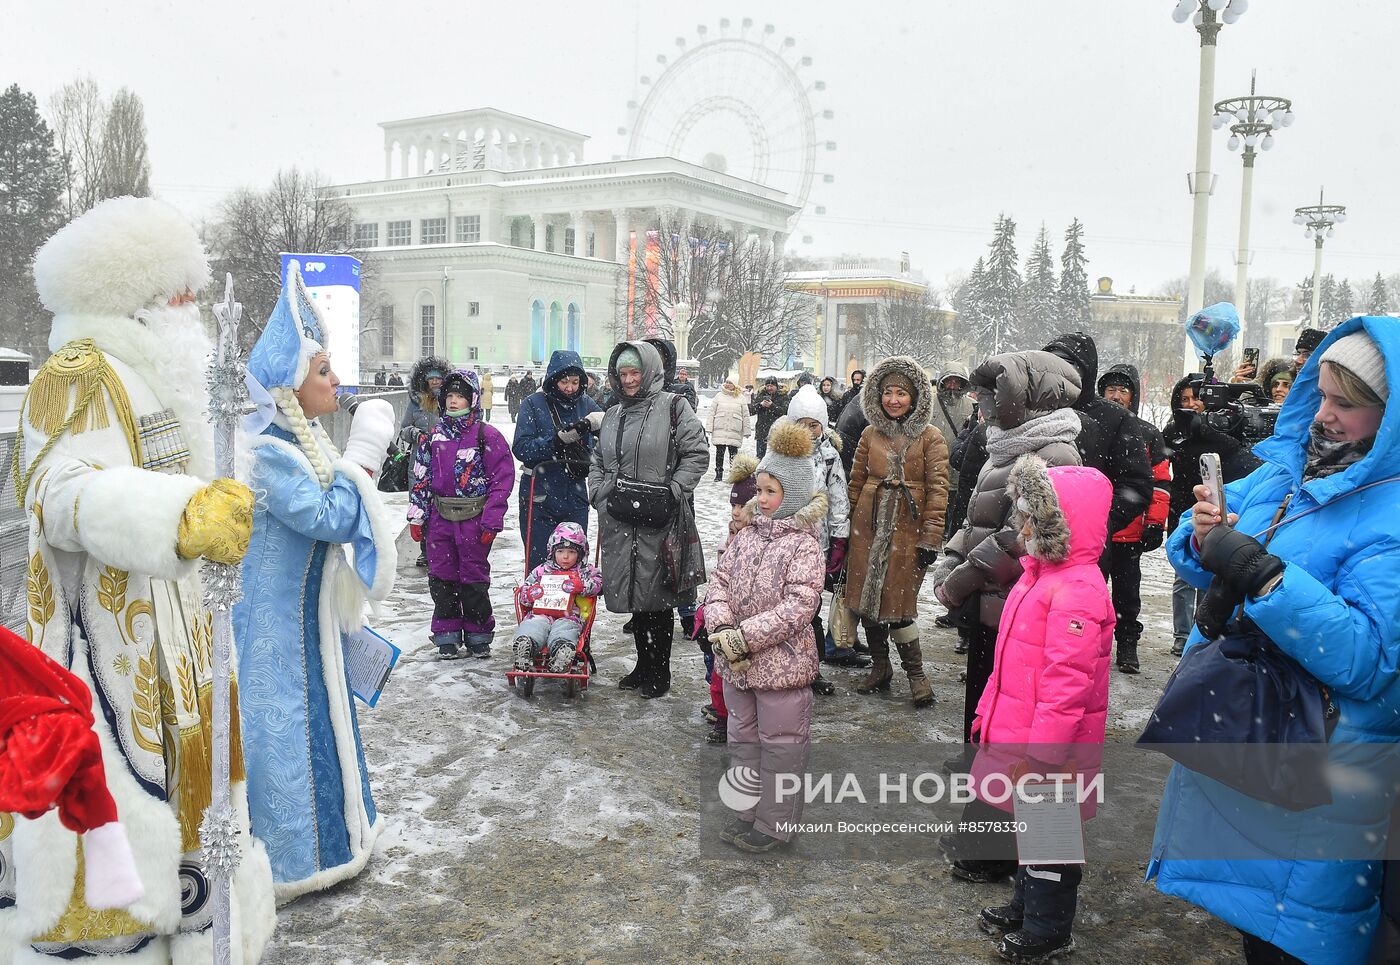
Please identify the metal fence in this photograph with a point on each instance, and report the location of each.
(14, 544)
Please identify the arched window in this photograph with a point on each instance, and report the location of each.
(572, 330)
(427, 324)
(556, 326)
(537, 333)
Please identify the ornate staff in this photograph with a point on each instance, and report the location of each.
(223, 587)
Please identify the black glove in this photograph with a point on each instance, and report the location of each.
(1239, 560)
(927, 557)
(1216, 608)
(1151, 538)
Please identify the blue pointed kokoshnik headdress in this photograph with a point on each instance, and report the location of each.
(283, 353)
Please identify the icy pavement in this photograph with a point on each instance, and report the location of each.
(554, 830)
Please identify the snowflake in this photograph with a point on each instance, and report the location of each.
(122, 665)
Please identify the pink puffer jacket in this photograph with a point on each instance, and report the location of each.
(769, 584)
(1049, 683)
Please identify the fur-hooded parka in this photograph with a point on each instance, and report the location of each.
(899, 492)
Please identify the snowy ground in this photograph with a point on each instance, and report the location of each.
(550, 830)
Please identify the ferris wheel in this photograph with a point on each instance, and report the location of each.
(740, 103)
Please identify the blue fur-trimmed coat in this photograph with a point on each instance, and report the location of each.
(308, 789)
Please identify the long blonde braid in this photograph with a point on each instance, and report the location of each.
(290, 407)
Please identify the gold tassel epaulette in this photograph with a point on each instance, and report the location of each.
(81, 372)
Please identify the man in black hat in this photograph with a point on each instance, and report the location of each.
(1308, 340)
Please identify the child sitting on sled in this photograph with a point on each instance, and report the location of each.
(554, 636)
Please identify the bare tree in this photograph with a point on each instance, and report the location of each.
(79, 119)
(126, 169)
(909, 323)
(756, 312)
(253, 228)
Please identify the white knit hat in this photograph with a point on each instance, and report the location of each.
(807, 404)
(1359, 354)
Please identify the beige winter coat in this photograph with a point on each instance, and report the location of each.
(729, 421)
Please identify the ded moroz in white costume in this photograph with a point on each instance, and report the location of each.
(116, 451)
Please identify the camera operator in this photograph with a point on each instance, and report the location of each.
(1191, 432)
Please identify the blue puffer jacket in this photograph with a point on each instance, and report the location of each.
(1337, 612)
(558, 495)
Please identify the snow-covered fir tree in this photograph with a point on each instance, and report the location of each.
(972, 326)
(1074, 281)
(1040, 302)
(1379, 301)
(1001, 290)
(1345, 305)
(32, 175)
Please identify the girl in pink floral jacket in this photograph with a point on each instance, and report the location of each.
(759, 610)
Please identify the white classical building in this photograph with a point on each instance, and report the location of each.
(490, 241)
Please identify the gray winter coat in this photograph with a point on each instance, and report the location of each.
(632, 571)
(1027, 397)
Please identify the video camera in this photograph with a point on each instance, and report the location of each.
(1235, 408)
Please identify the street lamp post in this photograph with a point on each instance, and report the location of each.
(1252, 121)
(1202, 13)
(680, 329)
(1319, 219)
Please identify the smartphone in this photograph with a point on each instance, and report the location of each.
(1214, 480)
(1251, 357)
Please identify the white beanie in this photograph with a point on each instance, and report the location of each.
(808, 404)
(789, 460)
(1358, 354)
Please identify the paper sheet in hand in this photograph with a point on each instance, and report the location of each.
(556, 601)
(368, 660)
(1053, 830)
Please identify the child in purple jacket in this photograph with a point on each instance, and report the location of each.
(462, 477)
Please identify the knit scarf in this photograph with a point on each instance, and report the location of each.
(1327, 457)
(1005, 446)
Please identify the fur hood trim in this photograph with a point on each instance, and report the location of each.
(913, 424)
(124, 255)
(418, 381)
(742, 467)
(1272, 369)
(834, 437)
(1033, 495)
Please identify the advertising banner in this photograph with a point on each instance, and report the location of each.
(333, 284)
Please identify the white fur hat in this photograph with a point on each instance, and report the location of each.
(807, 404)
(124, 255)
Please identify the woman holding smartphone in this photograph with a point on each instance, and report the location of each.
(1324, 590)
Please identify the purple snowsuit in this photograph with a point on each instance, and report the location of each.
(462, 456)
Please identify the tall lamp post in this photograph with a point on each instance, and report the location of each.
(1203, 14)
(1252, 121)
(680, 330)
(1319, 218)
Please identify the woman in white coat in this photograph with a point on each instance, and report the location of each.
(728, 424)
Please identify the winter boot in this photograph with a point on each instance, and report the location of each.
(479, 644)
(634, 679)
(961, 647)
(422, 561)
(1178, 646)
(448, 643)
(878, 637)
(1002, 919)
(1128, 657)
(911, 658)
(658, 680)
(1026, 949)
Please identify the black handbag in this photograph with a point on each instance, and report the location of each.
(645, 504)
(1242, 712)
(394, 474)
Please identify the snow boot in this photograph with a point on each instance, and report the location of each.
(911, 658)
(878, 637)
(422, 561)
(658, 679)
(719, 733)
(1178, 646)
(982, 871)
(1022, 947)
(1002, 919)
(448, 643)
(1128, 657)
(823, 687)
(637, 676)
(479, 644)
(755, 841)
(961, 646)
(735, 829)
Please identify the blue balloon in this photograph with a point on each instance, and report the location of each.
(1214, 327)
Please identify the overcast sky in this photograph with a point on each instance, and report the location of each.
(946, 111)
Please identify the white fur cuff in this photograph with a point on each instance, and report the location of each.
(130, 518)
(110, 879)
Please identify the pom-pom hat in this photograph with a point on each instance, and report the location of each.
(789, 460)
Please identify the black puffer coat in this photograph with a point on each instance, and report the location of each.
(1110, 442)
(1187, 436)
